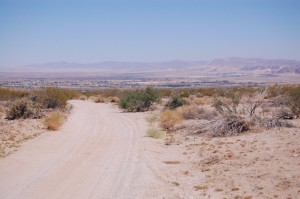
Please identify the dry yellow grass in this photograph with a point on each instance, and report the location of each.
(155, 133)
(169, 118)
(54, 120)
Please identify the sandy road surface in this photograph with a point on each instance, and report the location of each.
(97, 154)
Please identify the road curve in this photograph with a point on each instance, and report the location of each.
(97, 154)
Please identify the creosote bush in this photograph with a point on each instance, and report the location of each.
(10, 94)
(21, 108)
(137, 101)
(55, 97)
(175, 102)
(54, 120)
(169, 118)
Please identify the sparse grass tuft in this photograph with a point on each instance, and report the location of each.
(54, 120)
(176, 184)
(171, 162)
(151, 118)
(199, 187)
(155, 133)
(169, 118)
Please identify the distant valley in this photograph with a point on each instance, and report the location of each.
(176, 73)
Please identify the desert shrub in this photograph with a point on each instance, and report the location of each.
(251, 103)
(55, 97)
(275, 91)
(273, 123)
(165, 92)
(176, 101)
(226, 126)
(138, 100)
(10, 94)
(82, 97)
(208, 92)
(2, 110)
(110, 93)
(155, 133)
(284, 114)
(203, 100)
(185, 93)
(189, 111)
(54, 120)
(21, 108)
(294, 100)
(279, 101)
(169, 118)
(114, 99)
(227, 107)
(99, 99)
(204, 114)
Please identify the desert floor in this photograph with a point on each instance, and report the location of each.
(102, 152)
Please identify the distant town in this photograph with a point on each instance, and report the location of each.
(120, 84)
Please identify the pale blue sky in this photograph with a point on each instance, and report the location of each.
(90, 31)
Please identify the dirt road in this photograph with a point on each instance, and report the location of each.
(97, 154)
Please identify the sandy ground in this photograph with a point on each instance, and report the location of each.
(103, 153)
(261, 164)
(99, 153)
(14, 132)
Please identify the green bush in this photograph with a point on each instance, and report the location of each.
(21, 108)
(55, 97)
(138, 100)
(176, 101)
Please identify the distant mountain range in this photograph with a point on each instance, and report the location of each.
(118, 66)
(233, 64)
(274, 66)
(224, 68)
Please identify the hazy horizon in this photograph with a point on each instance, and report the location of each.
(35, 32)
